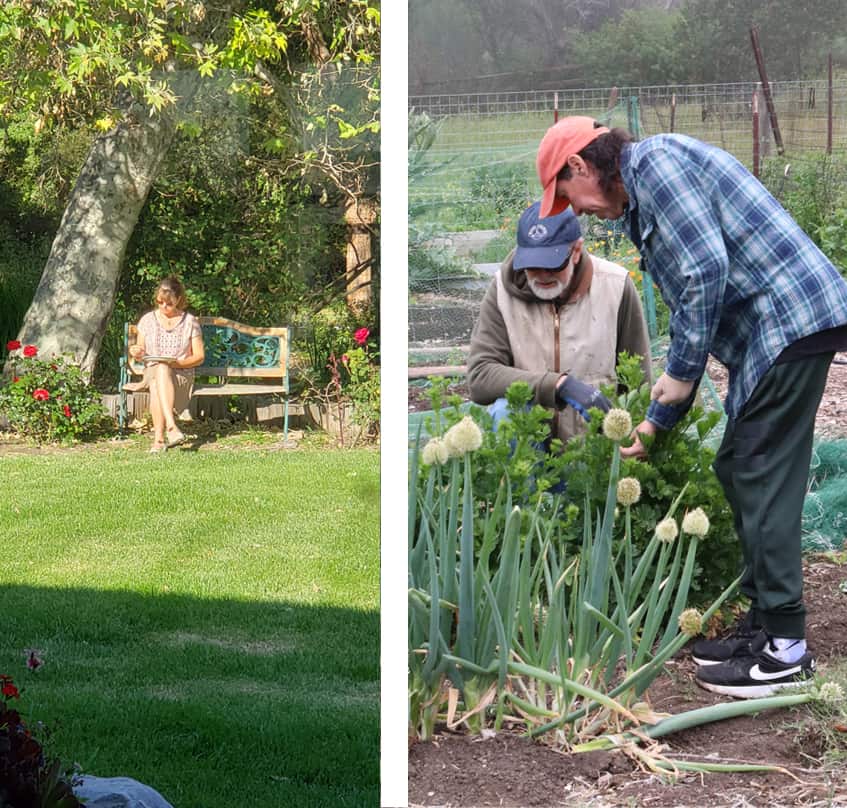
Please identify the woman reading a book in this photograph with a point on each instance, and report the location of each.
(170, 344)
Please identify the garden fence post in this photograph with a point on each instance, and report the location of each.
(829, 106)
(755, 134)
(766, 89)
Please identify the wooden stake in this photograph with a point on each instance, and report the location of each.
(766, 89)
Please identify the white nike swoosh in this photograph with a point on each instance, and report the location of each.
(760, 676)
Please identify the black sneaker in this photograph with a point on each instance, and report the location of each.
(756, 674)
(711, 652)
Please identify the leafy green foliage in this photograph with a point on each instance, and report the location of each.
(645, 48)
(21, 262)
(812, 191)
(326, 334)
(511, 452)
(49, 399)
(428, 263)
(27, 777)
(678, 459)
(247, 246)
(713, 38)
(463, 46)
(503, 186)
(362, 386)
(832, 236)
(123, 45)
(249, 208)
(339, 362)
(515, 622)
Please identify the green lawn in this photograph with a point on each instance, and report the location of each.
(208, 620)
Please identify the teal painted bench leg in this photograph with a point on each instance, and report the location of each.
(122, 381)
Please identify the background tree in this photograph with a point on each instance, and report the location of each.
(551, 44)
(138, 72)
(644, 45)
(713, 38)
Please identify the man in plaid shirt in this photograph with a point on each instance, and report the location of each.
(744, 283)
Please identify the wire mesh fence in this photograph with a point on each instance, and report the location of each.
(468, 188)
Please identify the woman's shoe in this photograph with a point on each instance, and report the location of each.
(157, 447)
(175, 437)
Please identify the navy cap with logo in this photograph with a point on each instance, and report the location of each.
(545, 243)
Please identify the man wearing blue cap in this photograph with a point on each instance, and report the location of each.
(556, 318)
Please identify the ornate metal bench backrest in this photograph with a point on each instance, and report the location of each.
(234, 349)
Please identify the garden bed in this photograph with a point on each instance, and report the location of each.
(508, 770)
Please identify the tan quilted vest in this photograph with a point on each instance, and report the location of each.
(585, 332)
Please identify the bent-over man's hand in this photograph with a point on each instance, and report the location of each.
(581, 396)
(668, 390)
(637, 449)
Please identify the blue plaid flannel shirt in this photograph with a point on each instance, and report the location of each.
(740, 277)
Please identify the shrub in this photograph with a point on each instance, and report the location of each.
(677, 457)
(27, 777)
(517, 453)
(343, 365)
(49, 399)
(812, 191)
(361, 365)
(502, 186)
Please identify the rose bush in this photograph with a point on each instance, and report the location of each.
(360, 381)
(49, 399)
(27, 776)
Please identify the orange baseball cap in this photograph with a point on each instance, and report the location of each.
(567, 137)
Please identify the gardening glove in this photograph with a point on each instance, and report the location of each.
(581, 396)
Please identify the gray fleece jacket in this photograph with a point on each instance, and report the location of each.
(519, 337)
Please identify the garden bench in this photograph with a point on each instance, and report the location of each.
(241, 360)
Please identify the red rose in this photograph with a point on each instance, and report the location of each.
(345, 359)
(30, 350)
(12, 345)
(9, 690)
(16, 379)
(67, 410)
(361, 336)
(40, 394)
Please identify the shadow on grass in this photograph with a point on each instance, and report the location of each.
(211, 702)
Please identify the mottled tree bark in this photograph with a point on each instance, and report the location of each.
(75, 297)
(76, 294)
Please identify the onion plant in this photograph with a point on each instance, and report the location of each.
(521, 626)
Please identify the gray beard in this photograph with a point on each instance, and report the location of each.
(547, 292)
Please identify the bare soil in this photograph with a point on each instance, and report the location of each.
(510, 770)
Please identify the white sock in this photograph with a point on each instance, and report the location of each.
(786, 649)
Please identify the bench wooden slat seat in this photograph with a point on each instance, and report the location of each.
(246, 360)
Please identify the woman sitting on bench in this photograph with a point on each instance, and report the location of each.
(170, 344)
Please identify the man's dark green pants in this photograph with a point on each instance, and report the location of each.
(763, 465)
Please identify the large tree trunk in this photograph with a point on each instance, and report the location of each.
(76, 294)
